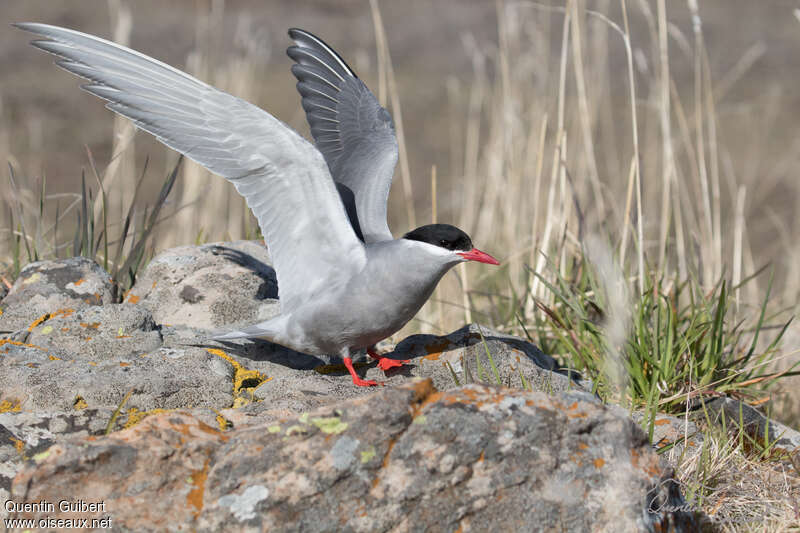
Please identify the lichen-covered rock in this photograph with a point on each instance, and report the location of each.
(24, 435)
(476, 458)
(98, 332)
(300, 382)
(675, 432)
(37, 380)
(209, 286)
(49, 286)
(477, 354)
(731, 413)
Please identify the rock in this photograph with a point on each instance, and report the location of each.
(35, 379)
(755, 424)
(675, 432)
(97, 333)
(49, 286)
(209, 286)
(472, 353)
(407, 458)
(300, 382)
(25, 435)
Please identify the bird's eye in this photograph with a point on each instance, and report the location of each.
(443, 243)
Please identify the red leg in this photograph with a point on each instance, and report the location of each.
(385, 363)
(357, 381)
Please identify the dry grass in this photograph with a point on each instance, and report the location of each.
(737, 491)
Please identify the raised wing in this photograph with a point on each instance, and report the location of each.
(282, 176)
(351, 129)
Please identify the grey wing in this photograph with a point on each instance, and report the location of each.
(282, 176)
(351, 129)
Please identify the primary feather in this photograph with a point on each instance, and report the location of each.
(351, 129)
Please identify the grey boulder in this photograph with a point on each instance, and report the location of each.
(46, 287)
(209, 286)
(406, 458)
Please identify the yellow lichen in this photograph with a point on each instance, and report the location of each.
(224, 423)
(10, 406)
(39, 457)
(79, 403)
(291, 430)
(244, 380)
(33, 278)
(135, 416)
(367, 454)
(330, 425)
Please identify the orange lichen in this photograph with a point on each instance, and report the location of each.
(661, 422)
(47, 316)
(39, 320)
(123, 363)
(79, 281)
(25, 344)
(92, 362)
(583, 446)
(577, 415)
(132, 299)
(599, 462)
(54, 358)
(10, 406)
(433, 356)
(19, 445)
(649, 464)
(79, 403)
(93, 325)
(195, 496)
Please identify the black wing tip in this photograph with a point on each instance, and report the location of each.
(298, 35)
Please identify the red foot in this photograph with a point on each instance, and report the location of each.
(357, 381)
(386, 363)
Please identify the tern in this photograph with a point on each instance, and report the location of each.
(345, 283)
